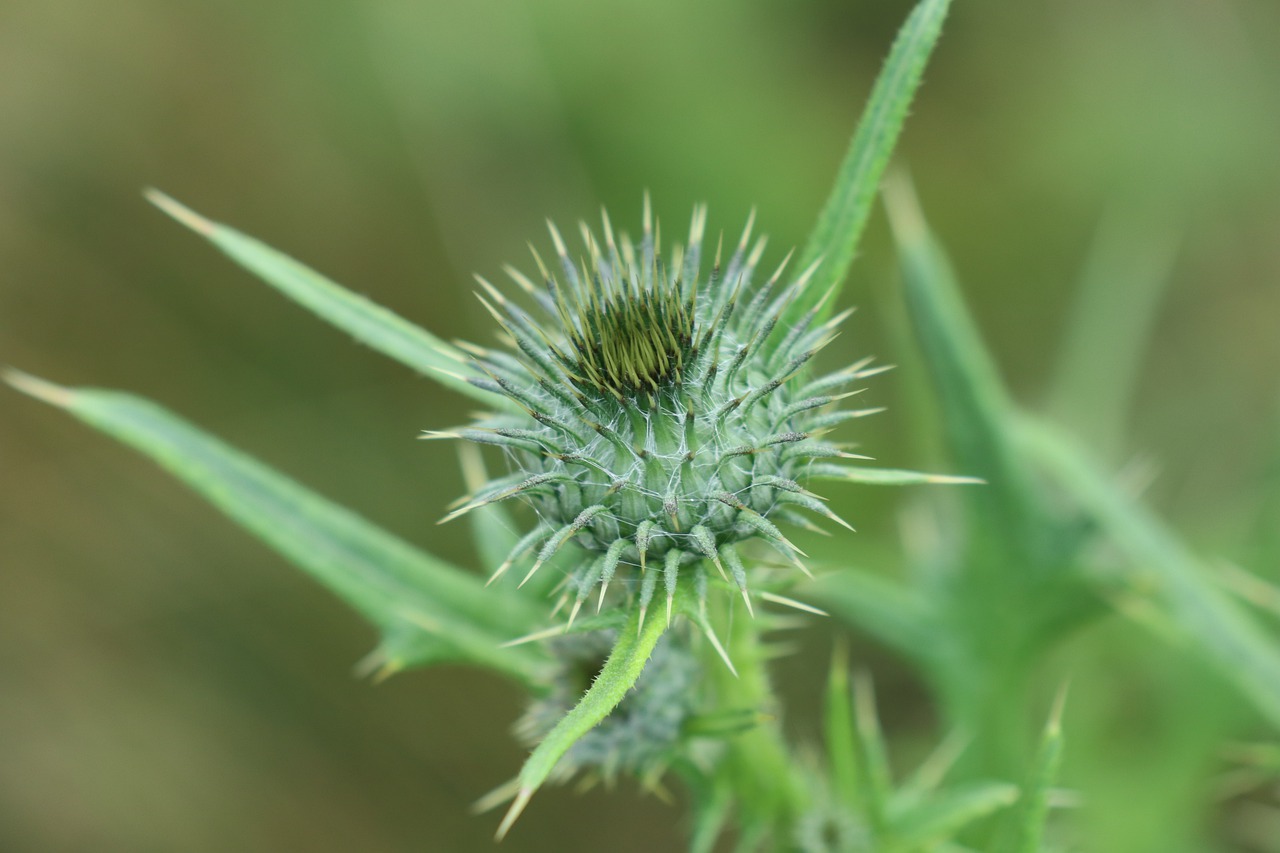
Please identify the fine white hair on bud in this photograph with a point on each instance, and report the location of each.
(660, 418)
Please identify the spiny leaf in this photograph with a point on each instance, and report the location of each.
(619, 675)
(367, 321)
(976, 410)
(835, 236)
(1216, 626)
(427, 610)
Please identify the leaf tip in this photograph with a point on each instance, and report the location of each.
(38, 388)
(179, 211)
(517, 806)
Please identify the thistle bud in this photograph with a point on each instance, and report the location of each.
(657, 417)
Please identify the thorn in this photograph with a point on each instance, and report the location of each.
(181, 212)
(537, 564)
(517, 806)
(427, 434)
(496, 797)
(544, 634)
(747, 600)
(640, 625)
(791, 602)
(604, 587)
(715, 643)
(573, 614)
(39, 388)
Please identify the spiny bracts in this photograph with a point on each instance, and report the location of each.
(656, 419)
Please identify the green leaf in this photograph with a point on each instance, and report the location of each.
(874, 779)
(976, 411)
(1033, 806)
(892, 613)
(626, 661)
(839, 227)
(840, 732)
(1124, 277)
(1216, 626)
(946, 813)
(365, 320)
(711, 815)
(427, 610)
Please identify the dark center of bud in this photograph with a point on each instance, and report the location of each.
(628, 339)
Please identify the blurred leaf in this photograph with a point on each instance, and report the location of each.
(871, 754)
(711, 814)
(975, 409)
(368, 322)
(1107, 332)
(949, 811)
(1217, 627)
(427, 610)
(1033, 806)
(895, 615)
(626, 661)
(840, 734)
(839, 227)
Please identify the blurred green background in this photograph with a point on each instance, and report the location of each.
(168, 684)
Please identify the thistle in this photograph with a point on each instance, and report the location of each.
(659, 419)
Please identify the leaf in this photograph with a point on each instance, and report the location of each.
(895, 615)
(946, 813)
(871, 754)
(427, 610)
(711, 814)
(620, 673)
(976, 411)
(1126, 273)
(1033, 806)
(839, 731)
(368, 322)
(839, 227)
(1220, 630)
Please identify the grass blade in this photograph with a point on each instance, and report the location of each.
(619, 675)
(427, 610)
(368, 322)
(839, 227)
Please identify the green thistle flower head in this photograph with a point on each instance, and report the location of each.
(660, 418)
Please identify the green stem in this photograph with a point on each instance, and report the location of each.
(756, 765)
